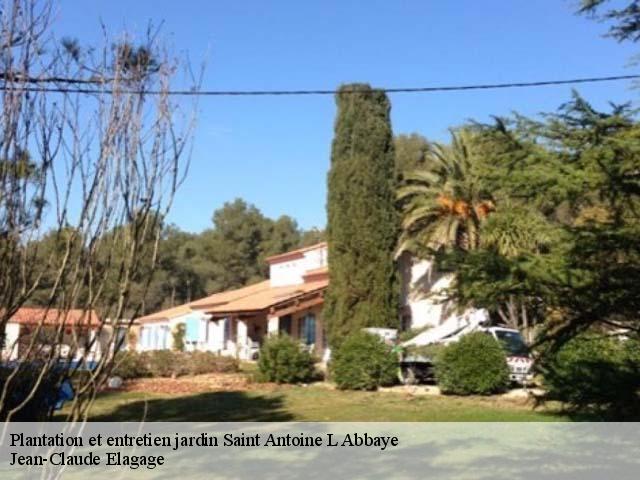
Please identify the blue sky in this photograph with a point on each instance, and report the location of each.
(274, 151)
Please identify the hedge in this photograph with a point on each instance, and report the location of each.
(168, 363)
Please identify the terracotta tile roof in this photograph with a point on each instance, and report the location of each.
(294, 253)
(316, 274)
(262, 298)
(220, 298)
(231, 295)
(315, 271)
(52, 316)
(167, 314)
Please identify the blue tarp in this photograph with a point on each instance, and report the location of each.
(65, 394)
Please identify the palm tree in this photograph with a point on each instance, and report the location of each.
(444, 203)
(515, 230)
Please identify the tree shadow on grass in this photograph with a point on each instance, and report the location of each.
(205, 407)
(625, 413)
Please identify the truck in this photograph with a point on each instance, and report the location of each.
(418, 368)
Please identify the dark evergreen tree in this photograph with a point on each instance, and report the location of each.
(623, 18)
(233, 253)
(362, 219)
(235, 245)
(312, 236)
(412, 153)
(280, 235)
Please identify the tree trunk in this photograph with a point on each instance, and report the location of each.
(525, 323)
(512, 308)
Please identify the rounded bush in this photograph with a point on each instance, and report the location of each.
(166, 363)
(130, 364)
(475, 364)
(284, 360)
(595, 375)
(363, 362)
(198, 363)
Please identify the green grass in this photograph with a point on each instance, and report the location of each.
(309, 404)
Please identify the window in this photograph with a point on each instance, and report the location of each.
(157, 337)
(226, 326)
(323, 257)
(144, 334)
(284, 324)
(120, 342)
(512, 342)
(308, 329)
(164, 335)
(204, 330)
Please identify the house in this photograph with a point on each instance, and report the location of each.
(37, 327)
(235, 322)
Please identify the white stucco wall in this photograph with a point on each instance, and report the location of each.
(422, 292)
(273, 324)
(10, 350)
(291, 272)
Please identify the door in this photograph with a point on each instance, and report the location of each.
(308, 329)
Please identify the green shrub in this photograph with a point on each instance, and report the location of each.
(363, 362)
(130, 364)
(179, 333)
(284, 360)
(198, 363)
(595, 375)
(475, 364)
(166, 363)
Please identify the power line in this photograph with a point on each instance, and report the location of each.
(245, 93)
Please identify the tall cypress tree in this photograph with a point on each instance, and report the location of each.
(362, 219)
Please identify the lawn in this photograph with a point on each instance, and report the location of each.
(312, 403)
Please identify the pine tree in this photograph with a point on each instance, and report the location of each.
(362, 219)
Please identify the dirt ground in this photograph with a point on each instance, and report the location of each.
(216, 382)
